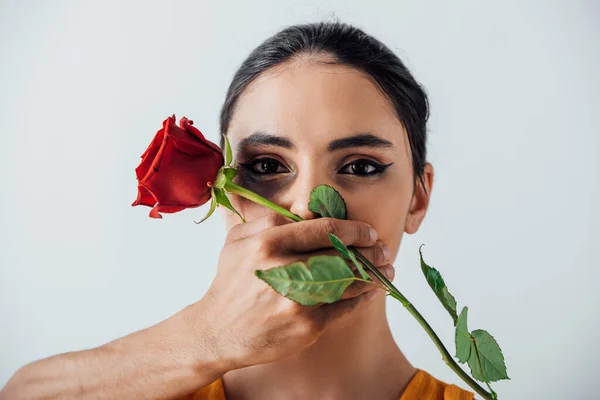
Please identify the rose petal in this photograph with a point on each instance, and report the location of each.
(183, 179)
(155, 167)
(186, 124)
(177, 169)
(144, 197)
(159, 134)
(188, 143)
(150, 154)
(154, 213)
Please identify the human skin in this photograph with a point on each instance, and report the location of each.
(312, 102)
(241, 329)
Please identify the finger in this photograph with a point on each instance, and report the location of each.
(378, 255)
(353, 296)
(312, 234)
(358, 288)
(247, 229)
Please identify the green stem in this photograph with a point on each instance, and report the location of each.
(394, 292)
(388, 285)
(448, 359)
(247, 194)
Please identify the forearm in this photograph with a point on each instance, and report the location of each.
(166, 361)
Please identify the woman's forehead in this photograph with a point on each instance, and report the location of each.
(313, 102)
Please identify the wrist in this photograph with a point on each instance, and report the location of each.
(207, 354)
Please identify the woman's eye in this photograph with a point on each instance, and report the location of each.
(270, 166)
(265, 166)
(363, 167)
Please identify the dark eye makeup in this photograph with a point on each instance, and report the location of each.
(264, 166)
(270, 166)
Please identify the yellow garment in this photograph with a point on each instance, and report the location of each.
(421, 387)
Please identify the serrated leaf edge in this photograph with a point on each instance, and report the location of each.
(341, 197)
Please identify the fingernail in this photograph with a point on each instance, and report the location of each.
(386, 251)
(373, 234)
(389, 272)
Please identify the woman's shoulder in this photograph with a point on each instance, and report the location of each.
(422, 386)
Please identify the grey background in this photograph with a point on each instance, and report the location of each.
(515, 95)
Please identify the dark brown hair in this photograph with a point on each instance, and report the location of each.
(350, 46)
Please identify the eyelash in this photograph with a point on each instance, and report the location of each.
(377, 167)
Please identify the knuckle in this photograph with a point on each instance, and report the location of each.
(330, 226)
(232, 233)
(363, 233)
(272, 220)
(373, 276)
(310, 327)
(290, 308)
(379, 254)
(262, 247)
(370, 254)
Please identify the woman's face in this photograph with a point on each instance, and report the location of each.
(306, 123)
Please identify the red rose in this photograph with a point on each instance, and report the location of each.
(177, 169)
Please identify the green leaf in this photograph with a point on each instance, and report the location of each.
(480, 350)
(463, 338)
(327, 202)
(436, 282)
(229, 173)
(228, 152)
(323, 280)
(223, 200)
(213, 206)
(486, 360)
(450, 301)
(344, 251)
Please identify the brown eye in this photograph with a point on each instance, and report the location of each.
(265, 166)
(363, 167)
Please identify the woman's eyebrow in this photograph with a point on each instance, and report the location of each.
(260, 138)
(359, 140)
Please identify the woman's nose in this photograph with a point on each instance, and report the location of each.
(299, 196)
(300, 208)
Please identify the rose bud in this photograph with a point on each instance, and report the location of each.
(177, 169)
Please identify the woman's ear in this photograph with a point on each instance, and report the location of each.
(420, 201)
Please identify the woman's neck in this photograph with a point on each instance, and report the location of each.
(356, 358)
